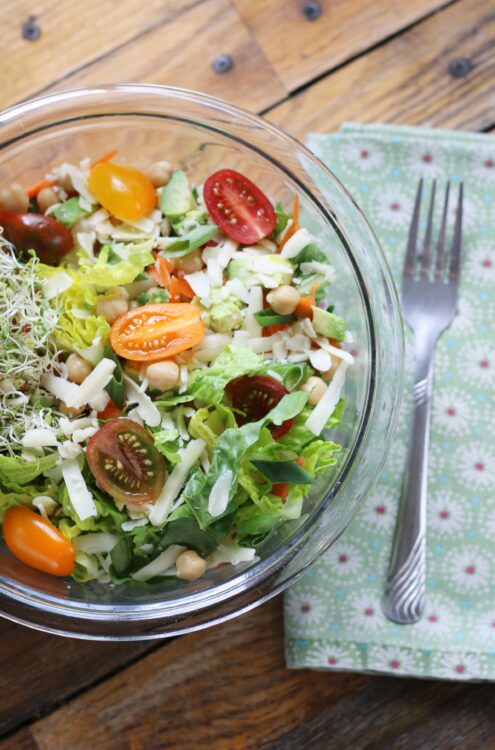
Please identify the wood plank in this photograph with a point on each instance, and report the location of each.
(71, 36)
(299, 50)
(21, 740)
(39, 671)
(225, 688)
(181, 54)
(407, 80)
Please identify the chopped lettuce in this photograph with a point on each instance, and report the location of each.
(116, 265)
(188, 242)
(309, 253)
(16, 473)
(109, 517)
(282, 219)
(230, 449)
(209, 384)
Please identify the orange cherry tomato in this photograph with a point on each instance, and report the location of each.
(158, 331)
(37, 542)
(110, 411)
(124, 192)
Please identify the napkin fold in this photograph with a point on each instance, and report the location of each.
(333, 617)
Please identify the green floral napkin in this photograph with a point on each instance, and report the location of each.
(333, 615)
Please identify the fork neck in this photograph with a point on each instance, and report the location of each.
(424, 347)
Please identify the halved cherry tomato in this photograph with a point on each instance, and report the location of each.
(256, 396)
(37, 542)
(156, 331)
(238, 207)
(125, 192)
(110, 411)
(125, 463)
(49, 239)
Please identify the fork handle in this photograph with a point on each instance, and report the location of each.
(404, 599)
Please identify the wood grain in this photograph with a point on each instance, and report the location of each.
(182, 52)
(300, 50)
(71, 36)
(38, 671)
(407, 80)
(227, 688)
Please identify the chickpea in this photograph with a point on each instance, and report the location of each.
(191, 262)
(14, 198)
(159, 173)
(190, 565)
(46, 198)
(316, 387)
(78, 368)
(71, 411)
(162, 375)
(138, 287)
(283, 300)
(113, 305)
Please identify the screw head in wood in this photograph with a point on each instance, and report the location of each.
(311, 10)
(222, 64)
(460, 67)
(31, 31)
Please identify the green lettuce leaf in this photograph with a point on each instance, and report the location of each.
(117, 267)
(309, 253)
(282, 219)
(109, 517)
(210, 422)
(188, 242)
(293, 374)
(16, 473)
(209, 384)
(231, 448)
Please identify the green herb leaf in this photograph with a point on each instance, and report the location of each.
(309, 253)
(121, 556)
(188, 242)
(282, 219)
(70, 212)
(115, 387)
(283, 471)
(270, 318)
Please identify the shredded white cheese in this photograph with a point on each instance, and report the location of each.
(314, 266)
(56, 285)
(296, 243)
(230, 553)
(324, 408)
(95, 542)
(79, 495)
(160, 564)
(190, 456)
(320, 359)
(39, 438)
(46, 505)
(146, 409)
(255, 305)
(199, 283)
(219, 494)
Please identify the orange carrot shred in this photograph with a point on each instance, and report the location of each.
(281, 490)
(33, 190)
(103, 159)
(295, 223)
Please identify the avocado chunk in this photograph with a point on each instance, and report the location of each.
(225, 311)
(177, 198)
(257, 269)
(328, 324)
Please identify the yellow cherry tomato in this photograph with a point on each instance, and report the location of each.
(37, 542)
(126, 193)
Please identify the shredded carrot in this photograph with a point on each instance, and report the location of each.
(305, 304)
(160, 271)
(281, 490)
(110, 411)
(179, 288)
(295, 223)
(103, 159)
(38, 186)
(334, 342)
(269, 330)
(301, 461)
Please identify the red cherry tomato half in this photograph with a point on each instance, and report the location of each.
(37, 542)
(238, 207)
(110, 411)
(49, 239)
(256, 396)
(125, 463)
(126, 193)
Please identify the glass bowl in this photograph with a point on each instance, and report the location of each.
(202, 134)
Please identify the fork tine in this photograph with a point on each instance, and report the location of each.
(410, 260)
(456, 242)
(442, 235)
(426, 253)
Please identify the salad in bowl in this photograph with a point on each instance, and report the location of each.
(171, 370)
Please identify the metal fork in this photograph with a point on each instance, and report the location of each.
(429, 297)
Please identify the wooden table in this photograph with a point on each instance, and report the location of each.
(429, 62)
